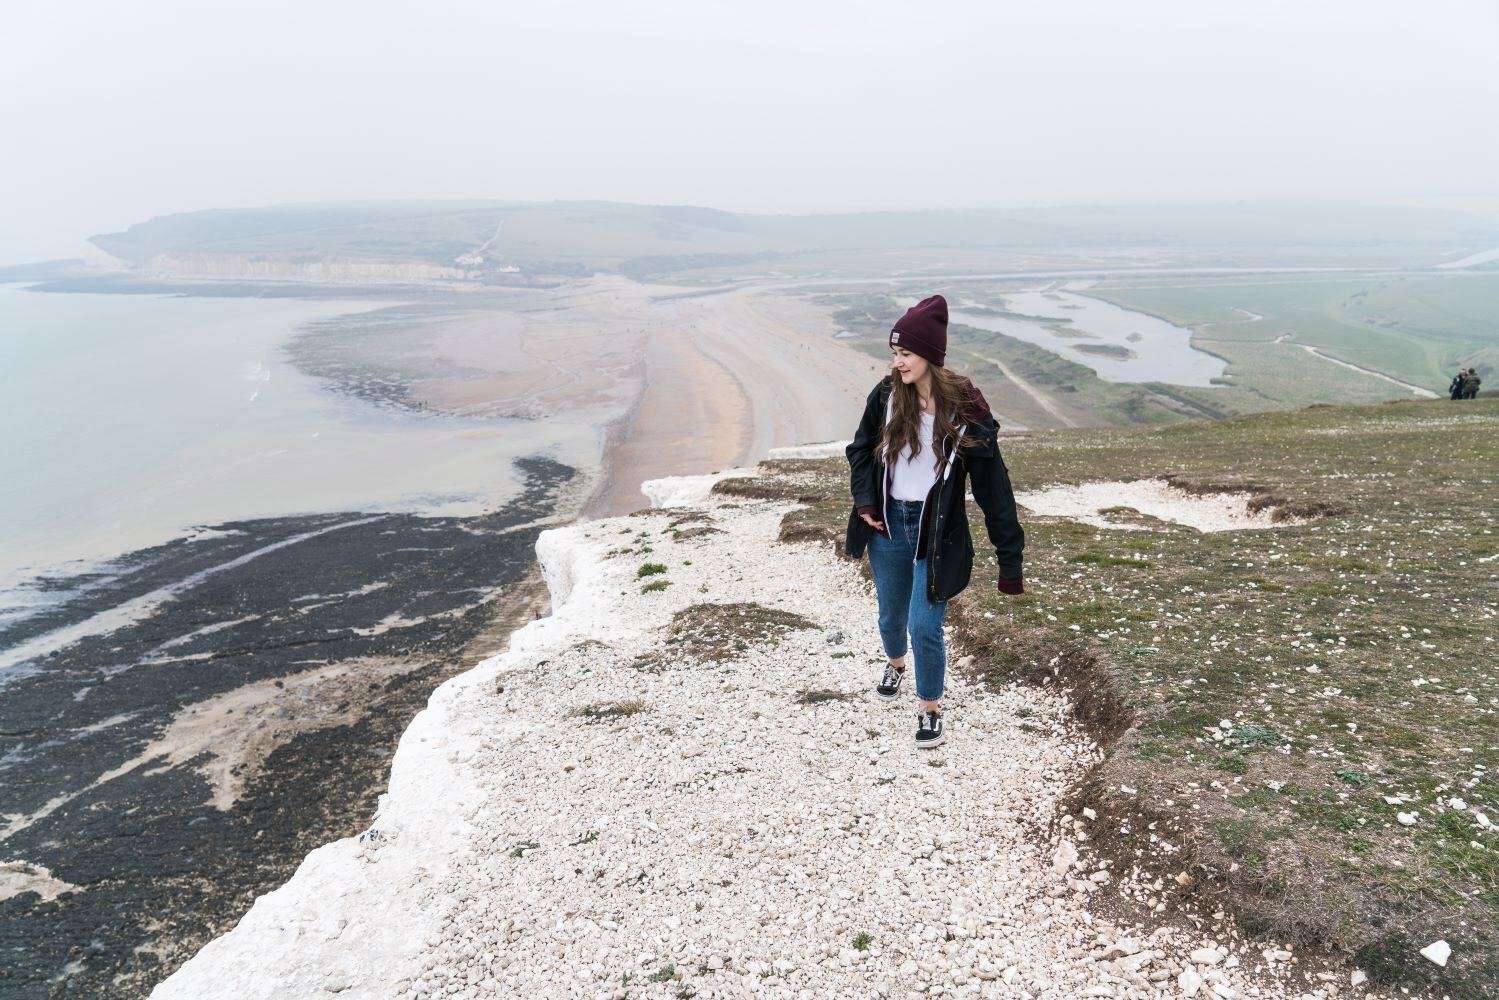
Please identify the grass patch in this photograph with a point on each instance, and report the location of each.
(718, 632)
(654, 586)
(649, 569)
(819, 696)
(1100, 559)
(611, 711)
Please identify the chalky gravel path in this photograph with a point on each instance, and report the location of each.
(727, 839)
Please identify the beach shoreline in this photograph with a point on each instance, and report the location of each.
(245, 723)
(192, 755)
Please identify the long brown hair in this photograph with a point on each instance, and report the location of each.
(949, 392)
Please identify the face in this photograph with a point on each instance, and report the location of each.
(908, 367)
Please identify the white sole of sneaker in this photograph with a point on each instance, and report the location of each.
(929, 744)
(887, 697)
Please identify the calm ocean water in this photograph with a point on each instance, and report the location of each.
(131, 419)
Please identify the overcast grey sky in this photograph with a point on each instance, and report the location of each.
(111, 113)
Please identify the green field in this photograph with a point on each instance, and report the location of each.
(1418, 329)
(1352, 658)
(1262, 374)
(688, 244)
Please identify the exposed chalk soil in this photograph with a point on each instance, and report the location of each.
(597, 813)
(1094, 503)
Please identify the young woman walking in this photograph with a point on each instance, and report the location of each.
(924, 431)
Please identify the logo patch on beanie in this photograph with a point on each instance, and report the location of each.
(894, 336)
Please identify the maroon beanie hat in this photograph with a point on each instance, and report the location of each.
(923, 330)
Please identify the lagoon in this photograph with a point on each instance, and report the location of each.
(1121, 345)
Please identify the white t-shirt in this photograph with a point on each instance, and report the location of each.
(912, 475)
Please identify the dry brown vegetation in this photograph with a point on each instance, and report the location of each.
(712, 633)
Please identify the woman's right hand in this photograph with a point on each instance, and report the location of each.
(876, 525)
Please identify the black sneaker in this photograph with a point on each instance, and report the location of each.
(930, 729)
(889, 685)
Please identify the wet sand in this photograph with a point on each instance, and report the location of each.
(673, 383)
(727, 378)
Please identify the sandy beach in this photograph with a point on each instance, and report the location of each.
(727, 378)
(675, 381)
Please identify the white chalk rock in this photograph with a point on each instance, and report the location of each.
(1065, 858)
(822, 449)
(1438, 952)
(1189, 982)
(679, 491)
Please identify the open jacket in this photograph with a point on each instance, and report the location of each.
(943, 535)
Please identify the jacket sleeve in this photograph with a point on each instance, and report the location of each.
(990, 481)
(860, 450)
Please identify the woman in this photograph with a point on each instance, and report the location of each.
(909, 505)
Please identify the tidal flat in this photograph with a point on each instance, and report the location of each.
(172, 769)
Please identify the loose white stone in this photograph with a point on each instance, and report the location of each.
(1065, 857)
(1438, 952)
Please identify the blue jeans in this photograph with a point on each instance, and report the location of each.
(900, 583)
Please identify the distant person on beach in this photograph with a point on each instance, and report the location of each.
(1471, 384)
(910, 508)
(1456, 388)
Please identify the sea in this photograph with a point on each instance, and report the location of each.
(133, 419)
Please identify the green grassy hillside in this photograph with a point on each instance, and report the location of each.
(1415, 328)
(1266, 370)
(658, 240)
(1273, 700)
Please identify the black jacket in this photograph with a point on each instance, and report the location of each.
(945, 510)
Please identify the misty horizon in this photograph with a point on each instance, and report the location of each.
(764, 109)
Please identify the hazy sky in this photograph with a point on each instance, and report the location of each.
(113, 112)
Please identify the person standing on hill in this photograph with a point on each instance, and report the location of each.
(1471, 384)
(925, 430)
(1455, 390)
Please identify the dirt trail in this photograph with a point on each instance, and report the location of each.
(1418, 390)
(1042, 400)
